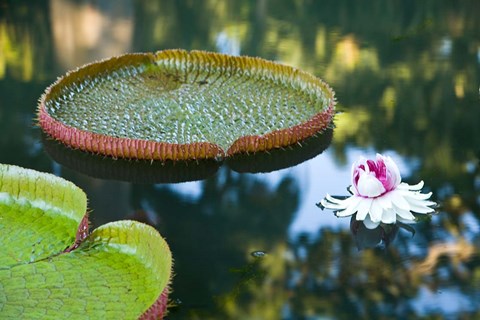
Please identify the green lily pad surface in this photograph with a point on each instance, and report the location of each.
(179, 105)
(50, 267)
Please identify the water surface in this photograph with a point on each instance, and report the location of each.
(407, 78)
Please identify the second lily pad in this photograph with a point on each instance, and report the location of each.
(179, 105)
(51, 268)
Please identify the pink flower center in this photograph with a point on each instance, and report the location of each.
(370, 176)
(379, 169)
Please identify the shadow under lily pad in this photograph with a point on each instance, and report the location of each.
(146, 172)
(277, 159)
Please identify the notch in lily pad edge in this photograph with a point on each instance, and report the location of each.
(183, 105)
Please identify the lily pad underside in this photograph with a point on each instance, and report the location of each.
(50, 267)
(180, 105)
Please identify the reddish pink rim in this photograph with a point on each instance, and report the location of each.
(152, 150)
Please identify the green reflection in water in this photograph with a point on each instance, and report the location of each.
(406, 77)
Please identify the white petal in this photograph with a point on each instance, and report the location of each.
(415, 187)
(392, 169)
(416, 195)
(355, 168)
(332, 203)
(364, 208)
(369, 186)
(404, 215)
(417, 201)
(369, 224)
(331, 199)
(331, 206)
(418, 205)
(422, 207)
(385, 201)
(400, 219)
(324, 204)
(351, 208)
(376, 210)
(398, 200)
(389, 216)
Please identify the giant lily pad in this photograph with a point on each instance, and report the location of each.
(50, 267)
(178, 105)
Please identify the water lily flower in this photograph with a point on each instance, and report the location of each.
(379, 196)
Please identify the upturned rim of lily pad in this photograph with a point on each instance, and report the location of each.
(132, 148)
(45, 231)
(136, 171)
(147, 172)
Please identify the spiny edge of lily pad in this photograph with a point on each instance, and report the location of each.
(117, 147)
(124, 147)
(284, 137)
(158, 309)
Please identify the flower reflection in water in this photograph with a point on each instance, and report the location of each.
(381, 236)
(379, 196)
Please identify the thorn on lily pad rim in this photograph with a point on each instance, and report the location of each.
(182, 105)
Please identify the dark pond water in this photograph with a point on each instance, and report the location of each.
(255, 246)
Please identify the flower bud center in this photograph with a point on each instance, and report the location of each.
(369, 186)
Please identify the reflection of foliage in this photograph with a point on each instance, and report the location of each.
(416, 60)
(407, 75)
(405, 70)
(408, 71)
(25, 57)
(335, 280)
(324, 276)
(372, 283)
(235, 215)
(363, 284)
(24, 31)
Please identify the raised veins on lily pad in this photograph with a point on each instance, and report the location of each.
(51, 267)
(179, 105)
